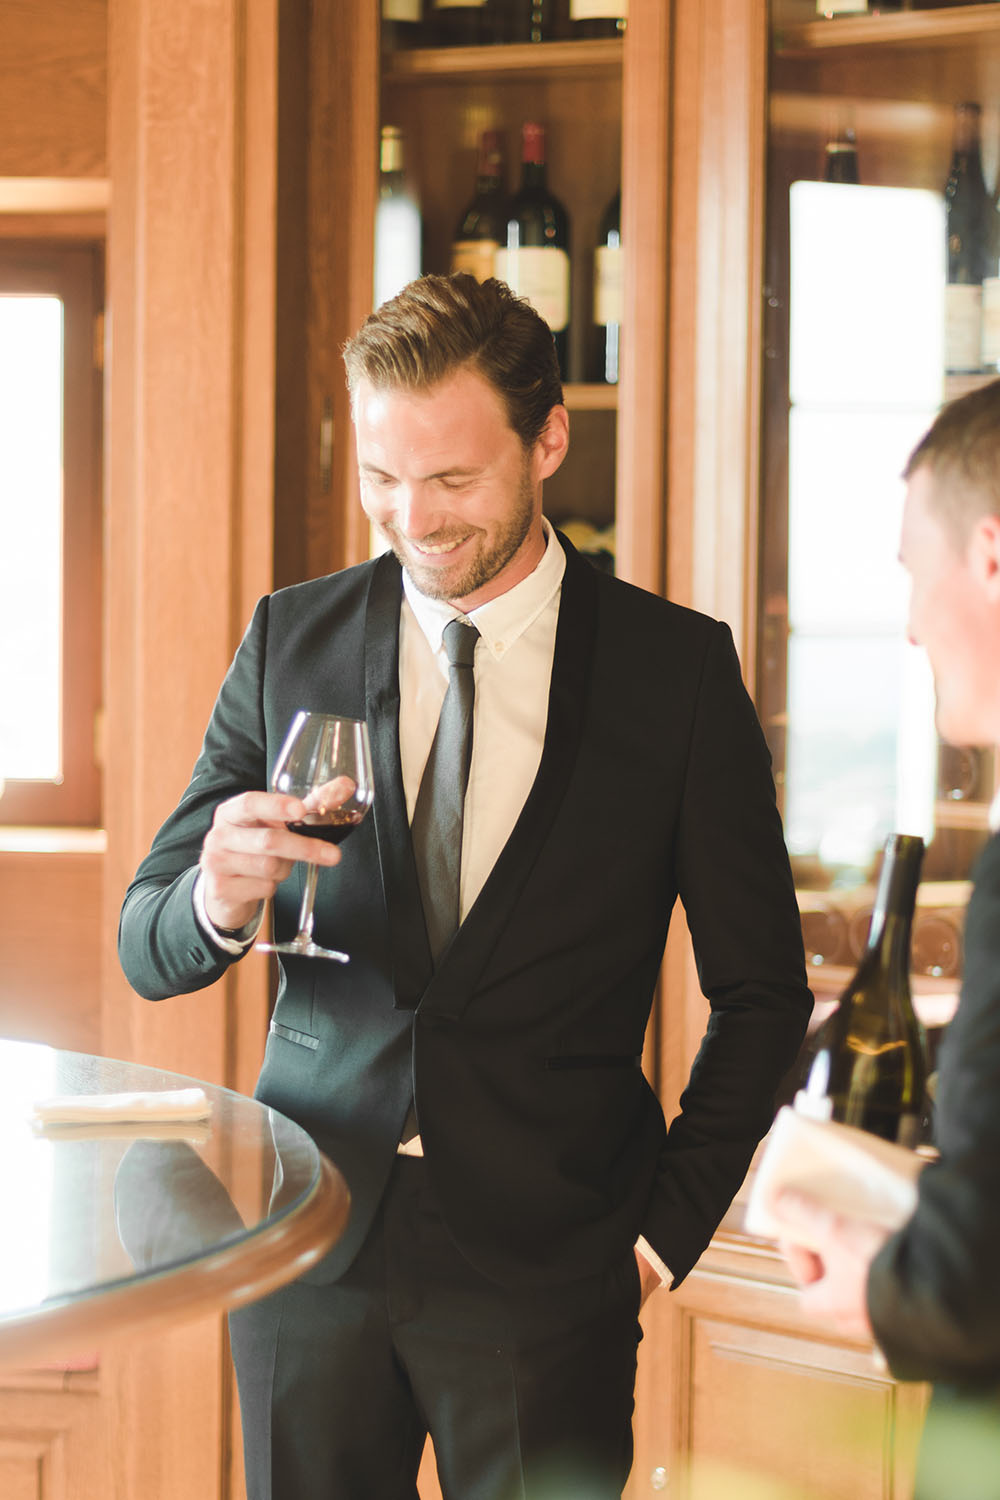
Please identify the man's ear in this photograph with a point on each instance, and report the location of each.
(984, 554)
(552, 444)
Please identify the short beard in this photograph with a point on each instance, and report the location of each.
(466, 580)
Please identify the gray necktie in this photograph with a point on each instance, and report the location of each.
(440, 806)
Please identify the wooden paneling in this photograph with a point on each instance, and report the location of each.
(50, 945)
(53, 88)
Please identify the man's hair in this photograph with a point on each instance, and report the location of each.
(441, 324)
(961, 452)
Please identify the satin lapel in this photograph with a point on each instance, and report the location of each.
(451, 987)
(411, 959)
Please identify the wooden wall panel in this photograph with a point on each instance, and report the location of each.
(53, 88)
(50, 947)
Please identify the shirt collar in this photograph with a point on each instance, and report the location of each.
(504, 619)
(994, 814)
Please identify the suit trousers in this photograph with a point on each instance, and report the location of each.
(527, 1394)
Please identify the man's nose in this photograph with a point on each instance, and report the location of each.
(417, 514)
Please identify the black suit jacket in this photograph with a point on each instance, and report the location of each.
(547, 1149)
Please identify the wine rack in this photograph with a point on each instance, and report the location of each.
(442, 98)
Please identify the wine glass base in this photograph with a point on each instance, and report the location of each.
(303, 950)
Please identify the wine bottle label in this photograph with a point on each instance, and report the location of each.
(991, 321)
(598, 10)
(540, 274)
(608, 268)
(963, 306)
(460, 4)
(841, 7)
(401, 10)
(477, 257)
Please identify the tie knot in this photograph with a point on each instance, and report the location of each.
(460, 639)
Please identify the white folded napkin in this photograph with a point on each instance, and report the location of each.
(144, 1106)
(847, 1170)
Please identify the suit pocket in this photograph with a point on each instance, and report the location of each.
(300, 1038)
(571, 1060)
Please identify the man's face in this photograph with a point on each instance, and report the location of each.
(954, 616)
(446, 480)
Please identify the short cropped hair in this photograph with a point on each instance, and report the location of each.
(961, 452)
(441, 324)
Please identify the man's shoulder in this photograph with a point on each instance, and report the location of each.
(347, 587)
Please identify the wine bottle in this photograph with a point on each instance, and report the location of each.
(968, 217)
(401, 22)
(831, 8)
(482, 226)
(530, 21)
(990, 348)
(608, 268)
(534, 259)
(462, 23)
(870, 1064)
(397, 221)
(841, 158)
(598, 18)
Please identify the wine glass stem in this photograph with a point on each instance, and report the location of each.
(308, 897)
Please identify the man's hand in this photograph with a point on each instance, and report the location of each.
(834, 1280)
(249, 850)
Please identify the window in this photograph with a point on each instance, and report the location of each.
(50, 533)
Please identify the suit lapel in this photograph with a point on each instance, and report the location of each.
(452, 985)
(411, 958)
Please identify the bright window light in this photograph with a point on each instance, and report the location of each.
(866, 363)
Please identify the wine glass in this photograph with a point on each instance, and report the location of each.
(320, 750)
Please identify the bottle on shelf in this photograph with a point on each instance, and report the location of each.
(598, 18)
(531, 20)
(608, 270)
(990, 349)
(483, 225)
(534, 258)
(463, 23)
(841, 164)
(401, 23)
(397, 221)
(870, 1064)
(831, 8)
(968, 218)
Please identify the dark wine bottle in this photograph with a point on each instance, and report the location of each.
(968, 216)
(608, 268)
(530, 20)
(401, 24)
(461, 23)
(534, 259)
(483, 226)
(870, 1063)
(598, 18)
(841, 158)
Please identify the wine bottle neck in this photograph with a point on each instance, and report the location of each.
(533, 174)
(895, 898)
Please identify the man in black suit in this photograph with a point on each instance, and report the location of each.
(930, 1294)
(487, 1286)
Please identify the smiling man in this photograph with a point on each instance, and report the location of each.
(558, 758)
(931, 1294)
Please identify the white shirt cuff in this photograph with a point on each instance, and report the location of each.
(235, 946)
(647, 1252)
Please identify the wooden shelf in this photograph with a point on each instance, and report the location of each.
(590, 397)
(577, 59)
(924, 28)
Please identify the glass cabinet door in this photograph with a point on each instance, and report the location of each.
(859, 327)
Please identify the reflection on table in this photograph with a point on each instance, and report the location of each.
(111, 1227)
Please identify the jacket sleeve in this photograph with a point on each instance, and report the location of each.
(735, 882)
(933, 1291)
(162, 949)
